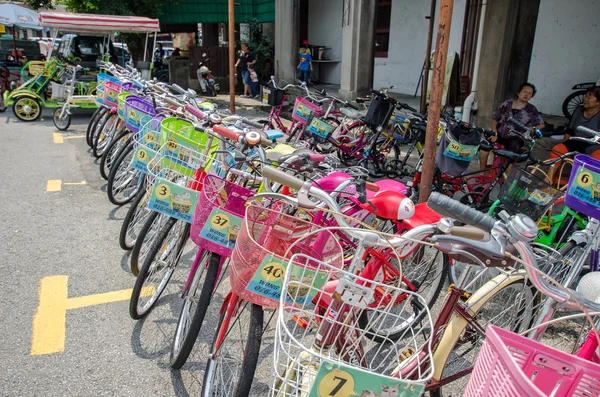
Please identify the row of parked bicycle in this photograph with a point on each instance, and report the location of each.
(294, 237)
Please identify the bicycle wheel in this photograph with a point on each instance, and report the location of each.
(230, 370)
(196, 300)
(110, 154)
(425, 269)
(381, 163)
(351, 151)
(572, 102)
(94, 124)
(124, 180)
(509, 302)
(158, 268)
(107, 131)
(134, 221)
(150, 229)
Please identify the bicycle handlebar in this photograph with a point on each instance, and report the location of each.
(178, 89)
(454, 209)
(588, 131)
(171, 102)
(227, 133)
(195, 111)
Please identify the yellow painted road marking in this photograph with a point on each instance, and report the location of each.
(49, 326)
(54, 185)
(59, 138)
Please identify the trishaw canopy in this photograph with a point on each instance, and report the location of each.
(95, 23)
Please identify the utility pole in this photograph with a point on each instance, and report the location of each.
(231, 34)
(435, 100)
(427, 57)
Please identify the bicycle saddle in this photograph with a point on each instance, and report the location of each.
(278, 151)
(512, 156)
(423, 216)
(273, 134)
(351, 113)
(390, 205)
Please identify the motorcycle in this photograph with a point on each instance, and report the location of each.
(206, 79)
(576, 99)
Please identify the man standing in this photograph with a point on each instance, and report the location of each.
(246, 59)
(305, 65)
(158, 57)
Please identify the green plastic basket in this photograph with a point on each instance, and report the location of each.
(176, 134)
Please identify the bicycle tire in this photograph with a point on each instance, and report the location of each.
(107, 130)
(158, 247)
(96, 128)
(436, 281)
(184, 339)
(122, 169)
(144, 241)
(571, 103)
(250, 353)
(111, 151)
(135, 215)
(92, 125)
(457, 326)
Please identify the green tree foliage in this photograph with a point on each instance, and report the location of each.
(262, 47)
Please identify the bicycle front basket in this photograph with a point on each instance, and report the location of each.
(379, 113)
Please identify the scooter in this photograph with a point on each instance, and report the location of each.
(206, 79)
(576, 99)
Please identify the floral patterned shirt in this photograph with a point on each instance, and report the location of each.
(528, 116)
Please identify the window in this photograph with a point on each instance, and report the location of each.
(383, 15)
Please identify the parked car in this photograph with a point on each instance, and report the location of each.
(84, 50)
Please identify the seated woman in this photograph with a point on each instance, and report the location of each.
(519, 109)
(587, 115)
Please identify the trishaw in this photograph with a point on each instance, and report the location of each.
(53, 86)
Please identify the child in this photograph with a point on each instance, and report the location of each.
(305, 65)
(254, 86)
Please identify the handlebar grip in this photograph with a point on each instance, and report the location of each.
(517, 123)
(317, 158)
(129, 68)
(353, 106)
(172, 102)
(252, 123)
(586, 130)
(281, 177)
(178, 89)
(451, 208)
(372, 186)
(138, 83)
(196, 112)
(157, 88)
(226, 132)
(119, 67)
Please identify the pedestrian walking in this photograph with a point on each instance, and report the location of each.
(246, 58)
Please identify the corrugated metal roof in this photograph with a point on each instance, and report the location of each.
(215, 11)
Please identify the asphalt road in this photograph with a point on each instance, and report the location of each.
(74, 233)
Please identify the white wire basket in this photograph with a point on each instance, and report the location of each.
(331, 335)
(59, 91)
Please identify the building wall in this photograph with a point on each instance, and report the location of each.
(408, 41)
(566, 50)
(325, 28)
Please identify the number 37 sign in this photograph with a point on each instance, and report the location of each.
(343, 381)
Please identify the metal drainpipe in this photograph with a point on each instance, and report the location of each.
(470, 103)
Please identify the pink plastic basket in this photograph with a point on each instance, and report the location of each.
(111, 93)
(305, 110)
(219, 215)
(510, 365)
(257, 261)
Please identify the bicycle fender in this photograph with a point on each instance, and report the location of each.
(456, 324)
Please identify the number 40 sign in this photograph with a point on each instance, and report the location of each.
(343, 381)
